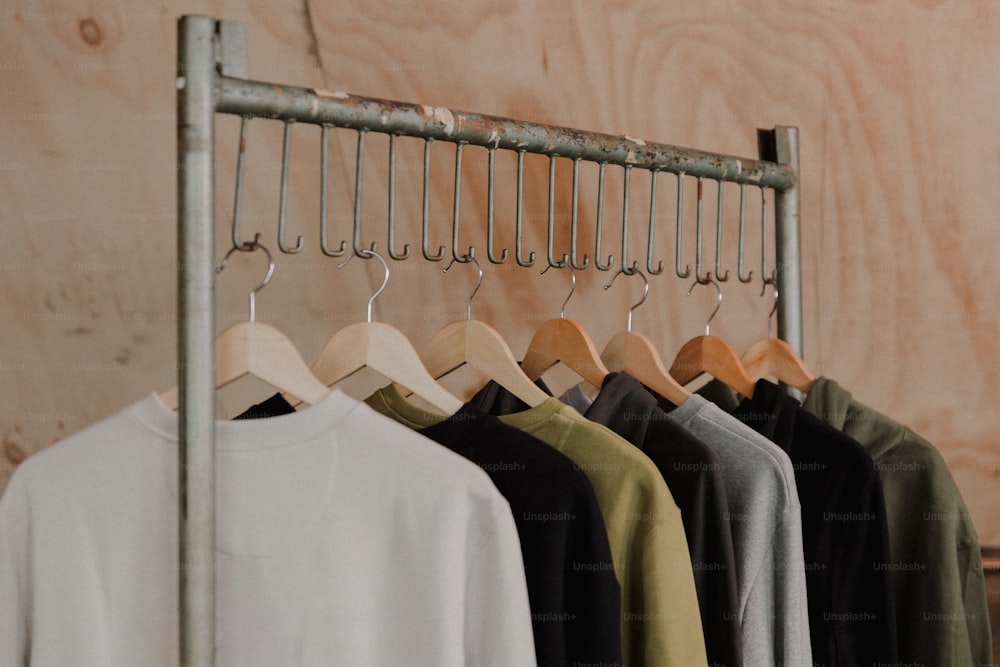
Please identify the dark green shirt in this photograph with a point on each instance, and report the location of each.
(941, 611)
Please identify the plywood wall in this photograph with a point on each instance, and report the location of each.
(895, 100)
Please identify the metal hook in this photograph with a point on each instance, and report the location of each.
(479, 282)
(699, 226)
(652, 226)
(424, 235)
(490, 226)
(238, 195)
(358, 192)
(763, 242)
(519, 216)
(774, 308)
(368, 254)
(391, 243)
(681, 273)
(645, 290)
(720, 276)
(718, 304)
(283, 201)
(553, 262)
(625, 204)
(599, 231)
(743, 220)
(323, 196)
(249, 246)
(572, 274)
(456, 257)
(575, 220)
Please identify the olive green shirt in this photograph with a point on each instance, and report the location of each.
(661, 620)
(937, 570)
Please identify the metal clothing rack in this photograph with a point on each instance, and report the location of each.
(211, 78)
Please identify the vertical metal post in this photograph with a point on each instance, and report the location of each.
(196, 337)
(782, 145)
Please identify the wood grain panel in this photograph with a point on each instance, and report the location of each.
(895, 102)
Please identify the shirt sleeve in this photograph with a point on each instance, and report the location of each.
(791, 608)
(497, 612)
(14, 603)
(664, 619)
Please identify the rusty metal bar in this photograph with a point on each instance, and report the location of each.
(306, 105)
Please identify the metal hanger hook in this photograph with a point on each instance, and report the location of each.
(773, 281)
(249, 246)
(479, 281)
(572, 274)
(770, 280)
(718, 304)
(645, 289)
(368, 254)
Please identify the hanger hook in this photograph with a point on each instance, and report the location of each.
(718, 304)
(249, 246)
(645, 289)
(368, 254)
(572, 275)
(479, 281)
(773, 281)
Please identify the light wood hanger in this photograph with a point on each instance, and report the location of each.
(635, 354)
(776, 358)
(481, 346)
(383, 348)
(258, 349)
(712, 355)
(564, 340)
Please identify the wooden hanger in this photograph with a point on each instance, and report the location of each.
(774, 357)
(258, 349)
(636, 355)
(564, 340)
(481, 346)
(383, 348)
(711, 354)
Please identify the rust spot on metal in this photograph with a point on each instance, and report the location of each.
(90, 31)
(332, 94)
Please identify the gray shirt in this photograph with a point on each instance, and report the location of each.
(765, 519)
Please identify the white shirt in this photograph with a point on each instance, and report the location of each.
(343, 538)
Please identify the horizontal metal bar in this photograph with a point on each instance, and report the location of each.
(307, 105)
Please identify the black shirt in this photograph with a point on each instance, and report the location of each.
(844, 531)
(572, 588)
